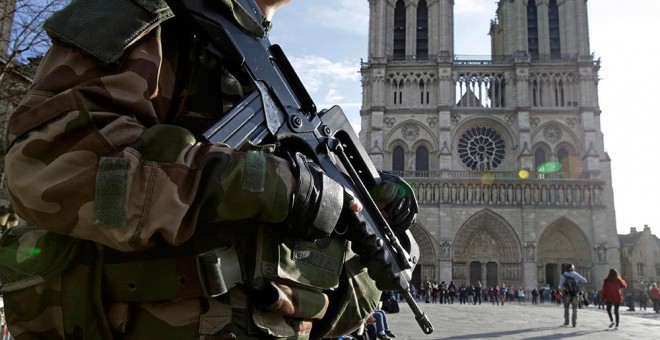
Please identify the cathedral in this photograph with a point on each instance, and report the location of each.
(505, 152)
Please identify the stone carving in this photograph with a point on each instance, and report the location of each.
(530, 251)
(455, 119)
(572, 122)
(446, 249)
(510, 119)
(601, 252)
(552, 133)
(534, 122)
(389, 121)
(410, 132)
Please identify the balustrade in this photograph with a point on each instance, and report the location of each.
(506, 188)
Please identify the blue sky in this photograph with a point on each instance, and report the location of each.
(326, 39)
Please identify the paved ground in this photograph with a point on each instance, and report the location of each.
(521, 321)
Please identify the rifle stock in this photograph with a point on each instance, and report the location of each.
(281, 111)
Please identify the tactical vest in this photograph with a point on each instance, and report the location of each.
(280, 282)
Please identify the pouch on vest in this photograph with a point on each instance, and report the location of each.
(50, 285)
(355, 299)
(294, 275)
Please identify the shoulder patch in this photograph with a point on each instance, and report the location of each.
(104, 29)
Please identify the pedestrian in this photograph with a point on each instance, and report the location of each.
(535, 296)
(413, 290)
(389, 302)
(443, 292)
(642, 298)
(434, 291)
(462, 294)
(510, 296)
(654, 294)
(377, 325)
(521, 295)
(503, 294)
(156, 231)
(477, 292)
(569, 282)
(629, 300)
(428, 288)
(452, 291)
(612, 295)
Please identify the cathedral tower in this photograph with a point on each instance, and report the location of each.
(505, 152)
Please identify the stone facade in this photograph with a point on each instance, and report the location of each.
(505, 152)
(640, 258)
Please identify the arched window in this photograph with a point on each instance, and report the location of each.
(560, 99)
(539, 158)
(399, 52)
(422, 30)
(422, 161)
(398, 159)
(481, 148)
(421, 92)
(553, 22)
(532, 29)
(564, 159)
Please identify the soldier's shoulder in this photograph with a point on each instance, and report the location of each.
(105, 29)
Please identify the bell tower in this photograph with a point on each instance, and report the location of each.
(504, 151)
(541, 28)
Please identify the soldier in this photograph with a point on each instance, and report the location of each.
(143, 231)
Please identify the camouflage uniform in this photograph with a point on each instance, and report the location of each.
(103, 159)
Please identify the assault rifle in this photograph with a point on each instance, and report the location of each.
(281, 111)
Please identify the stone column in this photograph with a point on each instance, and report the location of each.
(445, 261)
(544, 27)
(386, 26)
(411, 29)
(582, 28)
(484, 273)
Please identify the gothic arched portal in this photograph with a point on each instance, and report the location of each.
(427, 255)
(562, 242)
(487, 240)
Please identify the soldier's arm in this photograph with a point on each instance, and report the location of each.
(89, 157)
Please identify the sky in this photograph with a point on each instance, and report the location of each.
(326, 40)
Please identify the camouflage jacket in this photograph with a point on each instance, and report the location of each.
(103, 148)
(110, 148)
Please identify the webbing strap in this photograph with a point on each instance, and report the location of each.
(170, 278)
(154, 280)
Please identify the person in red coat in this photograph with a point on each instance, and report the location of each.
(654, 293)
(612, 295)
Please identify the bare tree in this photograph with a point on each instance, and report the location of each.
(22, 37)
(22, 44)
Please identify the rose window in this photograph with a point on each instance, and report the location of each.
(481, 148)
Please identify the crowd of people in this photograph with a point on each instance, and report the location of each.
(501, 294)
(449, 293)
(613, 293)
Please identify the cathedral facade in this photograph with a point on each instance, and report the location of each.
(505, 152)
